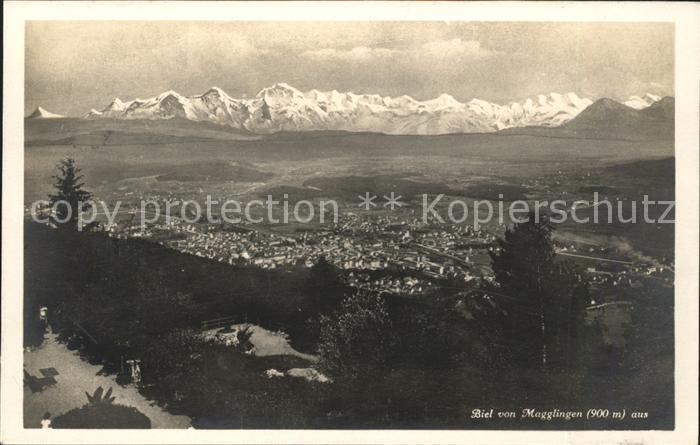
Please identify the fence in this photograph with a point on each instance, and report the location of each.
(217, 323)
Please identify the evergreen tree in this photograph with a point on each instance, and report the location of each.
(70, 198)
(546, 297)
(325, 286)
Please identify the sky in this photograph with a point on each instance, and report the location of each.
(71, 67)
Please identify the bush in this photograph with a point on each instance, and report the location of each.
(103, 416)
(357, 338)
(101, 412)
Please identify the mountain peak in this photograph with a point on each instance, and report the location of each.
(281, 94)
(115, 105)
(606, 103)
(92, 113)
(662, 109)
(553, 97)
(445, 101)
(283, 85)
(605, 113)
(215, 91)
(41, 113)
(170, 93)
(279, 89)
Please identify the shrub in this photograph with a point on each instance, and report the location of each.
(101, 412)
(357, 337)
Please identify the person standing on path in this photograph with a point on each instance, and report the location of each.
(46, 421)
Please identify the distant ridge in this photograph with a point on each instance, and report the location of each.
(608, 119)
(663, 110)
(604, 113)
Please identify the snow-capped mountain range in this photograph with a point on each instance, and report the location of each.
(282, 107)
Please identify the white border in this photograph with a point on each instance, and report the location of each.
(686, 18)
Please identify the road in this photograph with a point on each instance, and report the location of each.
(73, 377)
(594, 258)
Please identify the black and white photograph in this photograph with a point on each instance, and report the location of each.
(359, 225)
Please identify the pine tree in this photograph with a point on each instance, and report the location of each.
(325, 286)
(70, 198)
(547, 296)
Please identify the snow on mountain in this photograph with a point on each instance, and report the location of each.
(282, 107)
(444, 102)
(639, 103)
(93, 113)
(40, 113)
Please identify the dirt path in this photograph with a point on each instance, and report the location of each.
(265, 342)
(75, 377)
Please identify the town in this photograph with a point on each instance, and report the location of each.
(414, 257)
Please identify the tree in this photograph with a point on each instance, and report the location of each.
(356, 338)
(102, 412)
(171, 363)
(325, 286)
(70, 198)
(545, 297)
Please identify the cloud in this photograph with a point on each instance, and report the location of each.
(218, 42)
(657, 85)
(436, 50)
(456, 48)
(360, 53)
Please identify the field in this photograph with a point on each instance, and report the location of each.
(294, 159)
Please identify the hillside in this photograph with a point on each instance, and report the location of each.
(663, 110)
